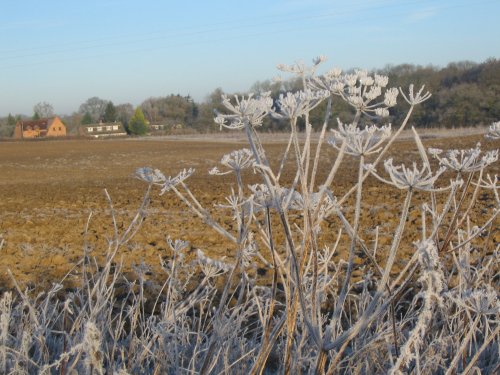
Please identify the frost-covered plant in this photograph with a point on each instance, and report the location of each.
(358, 89)
(409, 179)
(360, 141)
(494, 131)
(465, 161)
(433, 280)
(333, 301)
(248, 111)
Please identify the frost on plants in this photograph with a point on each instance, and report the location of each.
(335, 299)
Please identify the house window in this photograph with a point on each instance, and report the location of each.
(99, 128)
(90, 130)
(109, 128)
(115, 127)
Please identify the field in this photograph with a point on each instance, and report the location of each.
(50, 191)
(395, 272)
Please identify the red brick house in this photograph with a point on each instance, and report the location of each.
(45, 127)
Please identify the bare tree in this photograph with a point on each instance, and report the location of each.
(150, 108)
(124, 112)
(43, 109)
(95, 107)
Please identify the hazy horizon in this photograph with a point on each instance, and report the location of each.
(126, 51)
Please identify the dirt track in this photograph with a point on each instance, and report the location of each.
(48, 189)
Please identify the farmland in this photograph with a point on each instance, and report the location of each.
(51, 191)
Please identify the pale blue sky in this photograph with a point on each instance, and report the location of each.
(65, 51)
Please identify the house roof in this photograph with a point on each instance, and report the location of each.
(42, 124)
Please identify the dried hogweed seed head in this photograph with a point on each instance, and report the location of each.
(373, 93)
(382, 112)
(334, 73)
(494, 131)
(247, 111)
(239, 206)
(330, 81)
(177, 246)
(351, 79)
(465, 161)
(171, 182)
(414, 99)
(406, 178)
(218, 265)
(482, 301)
(390, 97)
(359, 89)
(238, 160)
(300, 69)
(235, 161)
(150, 175)
(359, 141)
(357, 102)
(366, 80)
(215, 171)
(281, 196)
(381, 80)
(295, 105)
(361, 73)
(249, 252)
(155, 177)
(320, 59)
(434, 151)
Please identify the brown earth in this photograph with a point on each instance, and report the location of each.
(51, 190)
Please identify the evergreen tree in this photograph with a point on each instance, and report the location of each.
(137, 124)
(110, 112)
(11, 120)
(86, 119)
(36, 116)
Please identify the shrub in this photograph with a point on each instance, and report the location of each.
(137, 124)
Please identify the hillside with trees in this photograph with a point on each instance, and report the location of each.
(464, 94)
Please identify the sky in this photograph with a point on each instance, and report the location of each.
(65, 51)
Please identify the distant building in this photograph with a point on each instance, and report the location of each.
(103, 130)
(158, 127)
(46, 127)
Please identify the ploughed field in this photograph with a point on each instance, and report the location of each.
(53, 205)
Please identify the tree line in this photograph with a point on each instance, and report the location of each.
(463, 94)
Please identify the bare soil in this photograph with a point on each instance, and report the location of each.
(51, 191)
